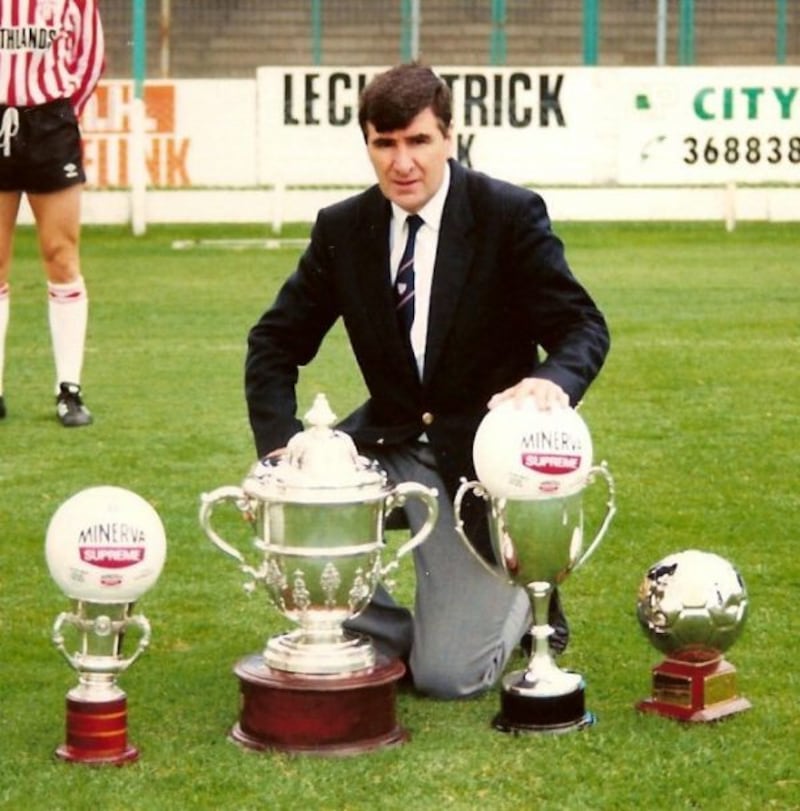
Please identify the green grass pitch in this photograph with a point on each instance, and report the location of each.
(696, 413)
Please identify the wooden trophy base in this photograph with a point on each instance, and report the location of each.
(697, 693)
(521, 714)
(97, 732)
(331, 715)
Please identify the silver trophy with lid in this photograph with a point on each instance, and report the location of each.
(317, 511)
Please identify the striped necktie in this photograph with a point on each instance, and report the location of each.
(404, 283)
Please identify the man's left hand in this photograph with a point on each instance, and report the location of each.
(548, 395)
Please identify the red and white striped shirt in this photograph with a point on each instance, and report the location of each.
(49, 49)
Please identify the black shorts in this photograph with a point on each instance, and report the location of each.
(40, 148)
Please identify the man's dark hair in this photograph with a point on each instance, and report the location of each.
(394, 98)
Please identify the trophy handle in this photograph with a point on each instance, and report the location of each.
(397, 498)
(140, 622)
(481, 492)
(208, 501)
(611, 508)
(102, 626)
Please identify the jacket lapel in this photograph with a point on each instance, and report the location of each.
(453, 259)
(374, 287)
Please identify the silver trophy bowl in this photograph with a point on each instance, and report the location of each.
(537, 544)
(318, 512)
(97, 654)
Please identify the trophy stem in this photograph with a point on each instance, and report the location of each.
(319, 653)
(540, 595)
(543, 674)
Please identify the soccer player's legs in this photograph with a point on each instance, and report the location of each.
(9, 205)
(55, 202)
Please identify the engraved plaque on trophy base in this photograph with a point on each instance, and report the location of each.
(97, 731)
(696, 692)
(521, 713)
(328, 715)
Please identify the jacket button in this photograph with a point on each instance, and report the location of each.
(427, 418)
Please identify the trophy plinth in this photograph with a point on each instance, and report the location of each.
(697, 693)
(318, 513)
(328, 715)
(521, 712)
(692, 606)
(97, 728)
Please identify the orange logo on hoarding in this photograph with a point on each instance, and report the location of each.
(107, 124)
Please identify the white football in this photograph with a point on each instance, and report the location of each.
(105, 545)
(520, 452)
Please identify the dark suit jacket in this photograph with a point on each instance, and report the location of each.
(502, 291)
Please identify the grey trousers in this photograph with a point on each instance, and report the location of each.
(465, 622)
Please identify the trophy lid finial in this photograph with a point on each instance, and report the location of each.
(319, 464)
(321, 453)
(320, 415)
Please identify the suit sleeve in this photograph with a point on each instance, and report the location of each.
(567, 323)
(286, 337)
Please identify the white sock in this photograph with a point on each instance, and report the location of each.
(5, 311)
(68, 308)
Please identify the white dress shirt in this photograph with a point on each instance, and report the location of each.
(424, 259)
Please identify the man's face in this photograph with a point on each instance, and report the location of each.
(409, 163)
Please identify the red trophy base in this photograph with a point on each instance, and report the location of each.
(701, 692)
(318, 715)
(97, 732)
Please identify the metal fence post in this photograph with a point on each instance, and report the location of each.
(661, 33)
(409, 30)
(136, 148)
(316, 32)
(139, 64)
(164, 36)
(591, 31)
(780, 32)
(686, 33)
(498, 46)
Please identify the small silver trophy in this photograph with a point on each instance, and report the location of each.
(105, 548)
(533, 467)
(318, 515)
